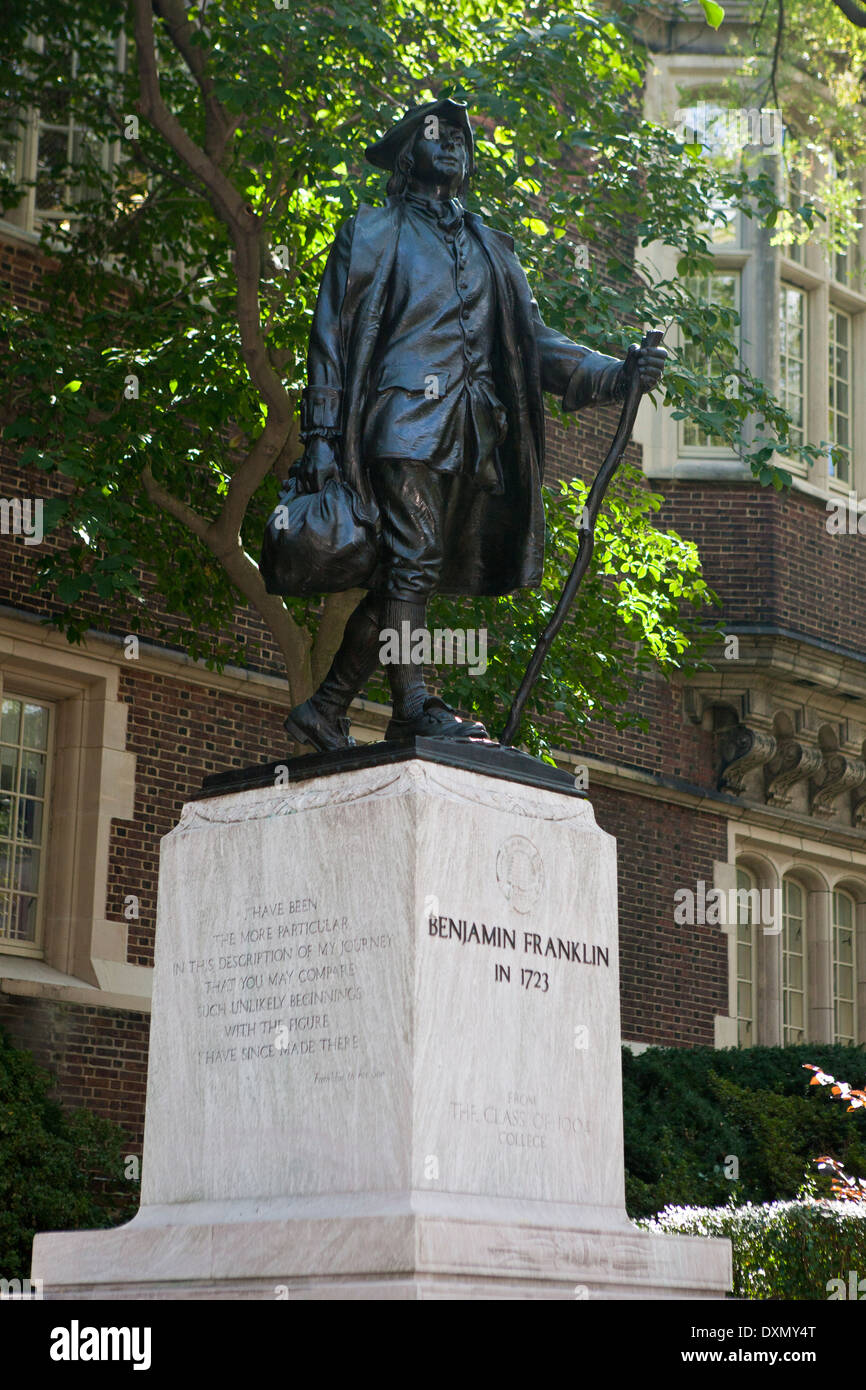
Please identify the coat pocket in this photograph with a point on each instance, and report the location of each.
(416, 381)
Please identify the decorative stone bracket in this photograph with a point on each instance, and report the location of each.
(792, 762)
(838, 774)
(742, 750)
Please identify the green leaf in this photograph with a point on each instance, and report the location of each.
(68, 589)
(19, 429)
(714, 13)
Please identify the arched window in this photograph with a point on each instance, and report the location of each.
(844, 969)
(746, 958)
(793, 962)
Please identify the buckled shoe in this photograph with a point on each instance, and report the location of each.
(436, 720)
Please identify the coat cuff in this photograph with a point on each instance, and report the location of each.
(320, 411)
(597, 379)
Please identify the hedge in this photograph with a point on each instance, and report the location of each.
(58, 1171)
(783, 1250)
(689, 1110)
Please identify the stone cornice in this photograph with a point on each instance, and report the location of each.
(676, 791)
(811, 663)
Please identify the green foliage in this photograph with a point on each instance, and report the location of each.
(687, 1111)
(641, 605)
(151, 282)
(57, 1172)
(807, 58)
(781, 1250)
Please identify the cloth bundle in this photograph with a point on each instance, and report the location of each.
(319, 542)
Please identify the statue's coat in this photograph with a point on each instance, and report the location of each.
(497, 545)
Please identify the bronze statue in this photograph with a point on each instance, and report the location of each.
(427, 364)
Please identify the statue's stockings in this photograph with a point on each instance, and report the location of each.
(358, 658)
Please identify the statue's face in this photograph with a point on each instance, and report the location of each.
(440, 155)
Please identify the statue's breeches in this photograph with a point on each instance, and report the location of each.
(416, 506)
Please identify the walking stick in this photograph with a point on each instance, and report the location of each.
(585, 548)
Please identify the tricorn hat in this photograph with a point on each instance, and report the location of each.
(383, 153)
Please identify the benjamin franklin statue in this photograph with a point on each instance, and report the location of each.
(428, 360)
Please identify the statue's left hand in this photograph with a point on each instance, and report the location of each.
(649, 363)
(317, 464)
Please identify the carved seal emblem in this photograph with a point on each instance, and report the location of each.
(520, 872)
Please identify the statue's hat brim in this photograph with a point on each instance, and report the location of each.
(383, 153)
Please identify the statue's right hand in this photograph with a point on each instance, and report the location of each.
(317, 464)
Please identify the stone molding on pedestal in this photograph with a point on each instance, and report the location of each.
(376, 783)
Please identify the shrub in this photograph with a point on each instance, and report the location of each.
(58, 1171)
(781, 1250)
(845, 1187)
(687, 1110)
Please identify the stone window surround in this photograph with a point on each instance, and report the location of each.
(24, 217)
(34, 948)
(655, 431)
(820, 869)
(83, 954)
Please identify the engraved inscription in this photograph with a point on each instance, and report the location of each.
(282, 985)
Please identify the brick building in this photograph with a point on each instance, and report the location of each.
(751, 776)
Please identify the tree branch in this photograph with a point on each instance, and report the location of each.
(243, 224)
(222, 536)
(227, 202)
(248, 478)
(856, 13)
(293, 641)
(143, 158)
(218, 127)
(181, 511)
(777, 49)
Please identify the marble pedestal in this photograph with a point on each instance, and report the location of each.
(385, 1056)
